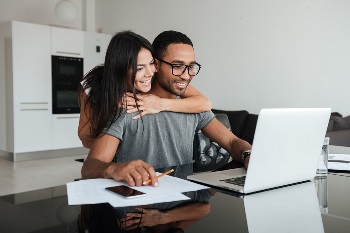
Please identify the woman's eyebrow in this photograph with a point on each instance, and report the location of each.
(145, 64)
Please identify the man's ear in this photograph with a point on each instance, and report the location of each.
(156, 64)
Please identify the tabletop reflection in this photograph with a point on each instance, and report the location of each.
(161, 217)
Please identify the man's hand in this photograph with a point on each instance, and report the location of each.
(148, 104)
(144, 218)
(134, 173)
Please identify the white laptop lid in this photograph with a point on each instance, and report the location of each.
(292, 209)
(286, 148)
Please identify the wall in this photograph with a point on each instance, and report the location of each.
(39, 12)
(254, 54)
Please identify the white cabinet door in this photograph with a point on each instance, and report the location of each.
(95, 47)
(31, 63)
(32, 128)
(65, 131)
(67, 42)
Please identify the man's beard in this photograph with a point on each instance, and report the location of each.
(169, 86)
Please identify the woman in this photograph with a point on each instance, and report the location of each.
(129, 67)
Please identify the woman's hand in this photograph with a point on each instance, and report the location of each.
(148, 104)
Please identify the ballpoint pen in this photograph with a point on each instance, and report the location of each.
(163, 174)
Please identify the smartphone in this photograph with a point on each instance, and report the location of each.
(126, 191)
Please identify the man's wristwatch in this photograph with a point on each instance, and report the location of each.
(245, 154)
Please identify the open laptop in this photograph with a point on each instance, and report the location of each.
(286, 148)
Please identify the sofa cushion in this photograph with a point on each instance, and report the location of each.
(237, 120)
(208, 155)
(341, 123)
(339, 137)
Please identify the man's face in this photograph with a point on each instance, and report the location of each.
(176, 54)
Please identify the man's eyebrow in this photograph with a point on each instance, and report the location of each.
(182, 62)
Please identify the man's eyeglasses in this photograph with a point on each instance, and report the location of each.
(179, 69)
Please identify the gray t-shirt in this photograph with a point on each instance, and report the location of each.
(163, 140)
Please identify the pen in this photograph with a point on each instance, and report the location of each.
(163, 174)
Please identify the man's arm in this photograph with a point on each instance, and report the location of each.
(218, 133)
(98, 164)
(193, 102)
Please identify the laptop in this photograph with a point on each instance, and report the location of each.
(286, 148)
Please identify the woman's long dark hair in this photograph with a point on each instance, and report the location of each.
(109, 82)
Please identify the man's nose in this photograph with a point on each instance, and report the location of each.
(185, 75)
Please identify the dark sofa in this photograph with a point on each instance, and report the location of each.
(339, 130)
(242, 123)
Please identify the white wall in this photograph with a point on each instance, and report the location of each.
(254, 54)
(39, 12)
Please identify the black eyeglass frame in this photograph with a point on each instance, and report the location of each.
(183, 71)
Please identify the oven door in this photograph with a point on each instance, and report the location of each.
(65, 102)
(66, 75)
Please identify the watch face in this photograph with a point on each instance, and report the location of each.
(245, 154)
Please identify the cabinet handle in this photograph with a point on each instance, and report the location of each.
(33, 109)
(68, 53)
(34, 103)
(67, 117)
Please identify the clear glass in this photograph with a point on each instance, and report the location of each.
(322, 168)
(322, 193)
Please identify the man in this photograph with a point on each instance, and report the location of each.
(165, 140)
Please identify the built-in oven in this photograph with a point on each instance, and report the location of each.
(66, 75)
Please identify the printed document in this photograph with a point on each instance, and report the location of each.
(92, 191)
(340, 162)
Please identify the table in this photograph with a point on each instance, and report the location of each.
(276, 211)
(319, 206)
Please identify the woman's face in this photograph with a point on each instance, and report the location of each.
(145, 71)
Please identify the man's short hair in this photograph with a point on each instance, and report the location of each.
(164, 39)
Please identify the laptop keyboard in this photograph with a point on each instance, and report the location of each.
(236, 180)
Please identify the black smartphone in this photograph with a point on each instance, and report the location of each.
(126, 191)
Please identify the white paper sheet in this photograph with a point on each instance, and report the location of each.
(339, 162)
(92, 191)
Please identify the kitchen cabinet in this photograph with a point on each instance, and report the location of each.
(95, 48)
(27, 123)
(31, 63)
(26, 59)
(32, 128)
(65, 131)
(67, 42)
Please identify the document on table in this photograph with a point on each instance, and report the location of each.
(92, 191)
(339, 162)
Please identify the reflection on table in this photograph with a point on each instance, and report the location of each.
(163, 217)
(319, 206)
(322, 205)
